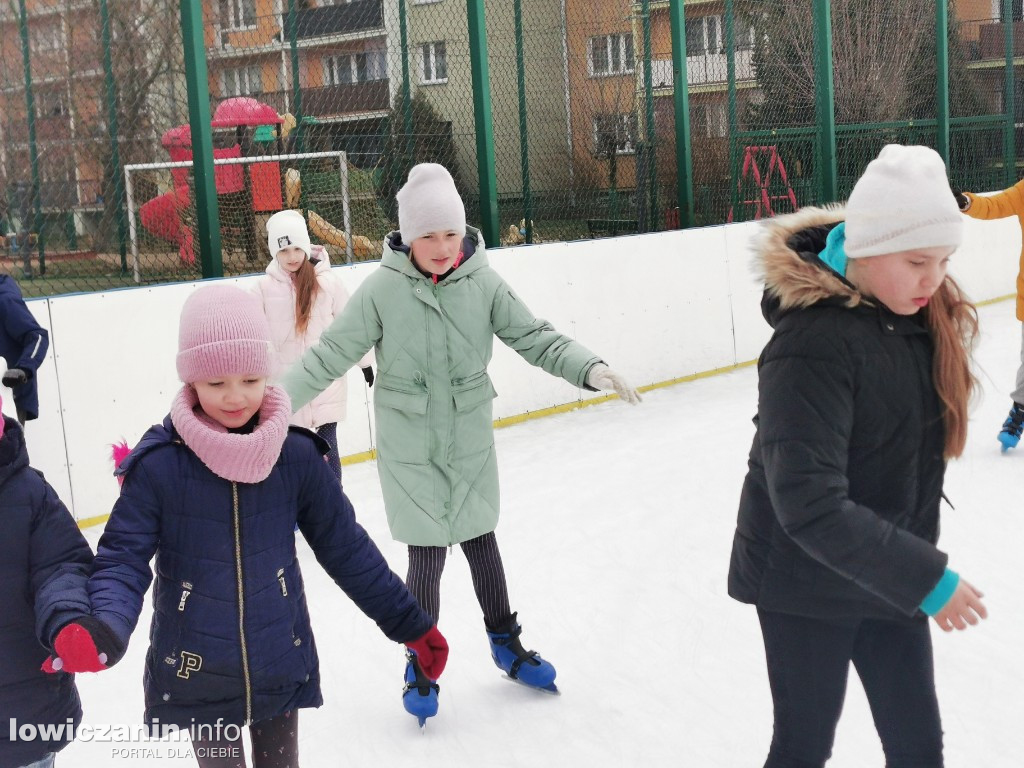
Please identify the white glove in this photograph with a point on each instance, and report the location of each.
(603, 377)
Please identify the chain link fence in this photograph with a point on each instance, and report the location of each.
(324, 105)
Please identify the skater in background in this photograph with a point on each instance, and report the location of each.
(431, 311)
(301, 296)
(214, 492)
(862, 398)
(1009, 202)
(23, 344)
(44, 567)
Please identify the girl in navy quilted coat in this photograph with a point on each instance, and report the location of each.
(44, 566)
(215, 492)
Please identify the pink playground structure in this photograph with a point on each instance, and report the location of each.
(250, 188)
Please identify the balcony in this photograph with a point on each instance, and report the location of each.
(333, 100)
(991, 42)
(313, 27)
(345, 19)
(703, 69)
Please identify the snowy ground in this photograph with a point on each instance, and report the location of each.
(616, 529)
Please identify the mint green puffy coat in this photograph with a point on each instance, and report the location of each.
(432, 396)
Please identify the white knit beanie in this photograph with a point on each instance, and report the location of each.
(287, 228)
(901, 203)
(429, 202)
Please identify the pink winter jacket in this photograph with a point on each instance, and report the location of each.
(277, 292)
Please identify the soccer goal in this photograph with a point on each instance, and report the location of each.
(161, 205)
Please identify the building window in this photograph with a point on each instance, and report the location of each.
(703, 35)
(346, 68)
(46, 37)
(615, 131)
(611, 55)
(50, 104)
(243, 81)
(238, 14)
(706, 35)
(709, 120)
(434, 63)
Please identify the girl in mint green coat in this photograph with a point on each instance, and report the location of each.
(431, 313)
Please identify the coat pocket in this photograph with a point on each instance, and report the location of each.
(474, 420)
(402, 433)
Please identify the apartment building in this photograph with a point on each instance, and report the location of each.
(345, 78)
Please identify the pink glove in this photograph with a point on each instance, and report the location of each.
(431, 652)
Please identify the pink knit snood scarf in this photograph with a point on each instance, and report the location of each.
(239, 458)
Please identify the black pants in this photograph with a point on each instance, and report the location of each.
(426, 564)
(329, 432)
(808, 664)
(275, 744)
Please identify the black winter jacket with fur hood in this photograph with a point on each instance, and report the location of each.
(839, 512)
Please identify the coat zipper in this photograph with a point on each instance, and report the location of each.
(430, 430)
(241, 603)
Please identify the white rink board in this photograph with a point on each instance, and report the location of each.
(656, 307)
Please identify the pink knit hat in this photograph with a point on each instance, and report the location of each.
(1, 417)
(222, 331)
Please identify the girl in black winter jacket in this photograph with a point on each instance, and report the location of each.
(863, 392)
(44, 566)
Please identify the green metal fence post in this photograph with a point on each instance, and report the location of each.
(649, 128)
(112, 132)
(293, 45)
(196, 79)
(730, 70)
(33, 152)
(942, 79)
(403, 24)
(484, 121)
(524, 143)
(1009, 105)
(824, 101)
(681, 105)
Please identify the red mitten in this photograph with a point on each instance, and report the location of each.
(86, 645)
(431, 652)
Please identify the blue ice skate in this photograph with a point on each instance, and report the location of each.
(1009, 436)
(521, 666)
(420, 693)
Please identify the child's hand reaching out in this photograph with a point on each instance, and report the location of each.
(963, 608)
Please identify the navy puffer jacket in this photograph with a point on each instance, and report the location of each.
(44, 565)
(23, 344)
(231, 636)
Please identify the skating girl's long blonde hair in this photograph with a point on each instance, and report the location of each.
(953, 323)
(306, 287)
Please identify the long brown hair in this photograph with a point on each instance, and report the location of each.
(306, 287)
(953, 323)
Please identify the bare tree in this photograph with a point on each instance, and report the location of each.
(878, 48)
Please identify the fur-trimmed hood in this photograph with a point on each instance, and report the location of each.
(786, 259)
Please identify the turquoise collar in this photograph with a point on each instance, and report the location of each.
(834, 254)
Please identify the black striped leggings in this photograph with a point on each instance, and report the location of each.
(424, 578)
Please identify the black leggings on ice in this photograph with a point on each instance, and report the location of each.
(808, 664)
(275, 744)
(424, 578)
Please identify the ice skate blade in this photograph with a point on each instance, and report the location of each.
(551, 690)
